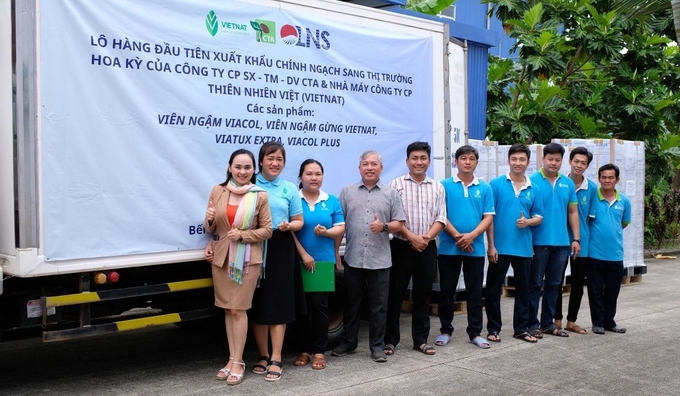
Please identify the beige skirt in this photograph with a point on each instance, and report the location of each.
(231, 295)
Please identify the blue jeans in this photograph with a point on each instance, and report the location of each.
(547, 263)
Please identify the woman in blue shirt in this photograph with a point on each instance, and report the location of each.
(318, 240)
(274, 300)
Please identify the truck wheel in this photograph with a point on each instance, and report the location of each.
(336, 304)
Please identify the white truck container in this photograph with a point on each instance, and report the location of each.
(117, 117)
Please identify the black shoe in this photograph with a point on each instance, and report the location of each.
(341, 351)
(598, 330)
(379, 357)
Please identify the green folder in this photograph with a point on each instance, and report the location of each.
(322, 279)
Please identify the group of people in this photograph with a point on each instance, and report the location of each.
(265, 232)
(259, 282)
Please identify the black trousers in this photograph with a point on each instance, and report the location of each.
(375, 284)
(578, 280)
(495, 277)
(408, 264)
(312, 329)
(449, 272)
(604, 285)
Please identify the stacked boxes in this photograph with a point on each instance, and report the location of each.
(629, 156)
(487, 168)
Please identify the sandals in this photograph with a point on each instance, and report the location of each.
(442, 340)
(481, 342)
(555, 332)
(319, 362)
(576, 329)
(223, 374)
(303, 359)
(496, 336)
(536, 333)
(276, 374)
(426, 349)
(238, 376)
(261, 369)
(389, 349)
(525, 337)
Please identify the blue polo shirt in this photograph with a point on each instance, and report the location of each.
(586, 193)
(556, 198)
(510, 204)
(465, 207)
(326, 211)
(606, 227)
(284, 199)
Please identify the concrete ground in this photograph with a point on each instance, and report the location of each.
(643, 361)
(172, 361)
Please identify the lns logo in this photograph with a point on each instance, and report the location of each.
(295, 35)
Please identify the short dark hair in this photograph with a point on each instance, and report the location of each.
(581, 151)
(231, 160)
(553, 148)
(419, 146)
(271, 147)
(519, 148)
(607, 167)
(304, 164)
(466, 149)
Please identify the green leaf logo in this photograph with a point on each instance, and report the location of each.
(285, 191)
(211, 23)
(264, 31)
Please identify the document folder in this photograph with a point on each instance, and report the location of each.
(322, 279)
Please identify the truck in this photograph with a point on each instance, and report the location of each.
(117, 117)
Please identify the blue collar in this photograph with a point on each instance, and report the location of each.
(265, 182)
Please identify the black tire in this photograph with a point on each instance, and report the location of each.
(336, 304)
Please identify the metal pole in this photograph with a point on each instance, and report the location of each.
(7, 221)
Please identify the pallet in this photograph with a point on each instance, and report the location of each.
(631, 279)
(509, 291)
(458, 308)
(407, 306)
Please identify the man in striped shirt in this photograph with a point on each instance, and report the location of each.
(414, 251)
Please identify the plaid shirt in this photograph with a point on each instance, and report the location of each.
(424, 203)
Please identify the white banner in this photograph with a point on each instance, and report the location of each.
(143, 102)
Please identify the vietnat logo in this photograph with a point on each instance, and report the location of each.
(213, 25)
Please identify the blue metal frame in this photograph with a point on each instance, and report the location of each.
(479, 41)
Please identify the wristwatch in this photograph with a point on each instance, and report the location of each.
(577, 240)
(385, 227)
